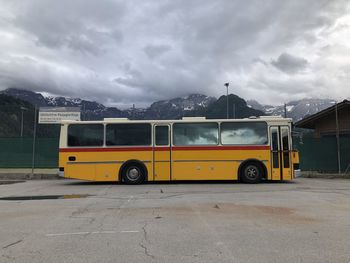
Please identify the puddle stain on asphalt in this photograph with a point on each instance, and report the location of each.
(229, 210)
(42, 197)
(10, 182)
(285, 214)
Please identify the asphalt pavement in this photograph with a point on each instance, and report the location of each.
(307, 220)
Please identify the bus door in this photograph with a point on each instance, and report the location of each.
(161, 153)
(281, 168)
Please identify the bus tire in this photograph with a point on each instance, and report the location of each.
(133, 173)
(251, 173)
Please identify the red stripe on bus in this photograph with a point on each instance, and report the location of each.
(119, 149)
(161, 149)
(200, 148)
(174, 148)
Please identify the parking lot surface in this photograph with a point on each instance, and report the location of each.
(307, 220)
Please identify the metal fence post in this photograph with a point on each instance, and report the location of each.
(34, 139)
(337, 138)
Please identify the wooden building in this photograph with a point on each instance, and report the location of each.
(325, 122)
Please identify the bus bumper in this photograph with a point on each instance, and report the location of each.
(61, 172)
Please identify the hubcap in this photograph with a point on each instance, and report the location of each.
(252, 172)
(133, 174)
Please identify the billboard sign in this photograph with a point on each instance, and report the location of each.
(54, 115)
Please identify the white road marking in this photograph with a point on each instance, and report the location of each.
(93, 232)
(66, 234)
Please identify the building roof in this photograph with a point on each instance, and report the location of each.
(309, 121)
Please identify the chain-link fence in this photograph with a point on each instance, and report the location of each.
(321, 154)
(17, 149)
(18, 152)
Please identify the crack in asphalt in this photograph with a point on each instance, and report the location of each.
(12, 244)
(145, 238)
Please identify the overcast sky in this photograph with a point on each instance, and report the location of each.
(124, 52)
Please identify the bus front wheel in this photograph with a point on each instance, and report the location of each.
(133, 174)
(251, 173)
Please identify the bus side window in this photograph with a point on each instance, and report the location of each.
(274, 145)
(85, 135)
(285, 146)
(124, 134)
(162, 135)
(243, 133)
(196, 133)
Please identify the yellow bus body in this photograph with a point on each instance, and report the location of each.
(170, 163)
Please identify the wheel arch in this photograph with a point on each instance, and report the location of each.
(252, 160)
(129, 162)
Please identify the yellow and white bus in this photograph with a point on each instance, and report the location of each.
(250, 150)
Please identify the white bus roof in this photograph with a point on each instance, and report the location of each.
(185, 119)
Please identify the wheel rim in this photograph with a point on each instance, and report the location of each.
(252, 172)
(133, 173)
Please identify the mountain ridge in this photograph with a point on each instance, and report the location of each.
(176, 108)
(296, 109)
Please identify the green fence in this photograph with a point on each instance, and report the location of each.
(17, 152)
(320, 154)
(316, 154)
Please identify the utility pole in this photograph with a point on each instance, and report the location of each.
(226, 85)
(285, 110)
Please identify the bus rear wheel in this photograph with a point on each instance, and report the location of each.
(133, 174)
(251, 173)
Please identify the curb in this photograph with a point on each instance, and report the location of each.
(324, 176)
(29, 176)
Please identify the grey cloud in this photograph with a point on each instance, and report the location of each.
(82, 25)
(290, 64)
(259, 60)
(125, 52)
(154, 51)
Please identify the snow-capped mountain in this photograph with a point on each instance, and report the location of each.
(296, 110)
(91, 110)
(191, 105)
(178, 107)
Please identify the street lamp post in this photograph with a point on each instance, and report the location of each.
(226, 85)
